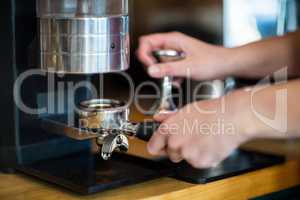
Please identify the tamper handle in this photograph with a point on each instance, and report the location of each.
(166, 101)
(145, 130)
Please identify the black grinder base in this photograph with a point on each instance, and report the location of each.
(85, 173)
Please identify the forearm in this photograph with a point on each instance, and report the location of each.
(265, 57)
(262, 114)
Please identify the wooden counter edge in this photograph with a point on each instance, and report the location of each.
(246, 186)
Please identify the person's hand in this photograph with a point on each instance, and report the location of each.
(202, 139)
(202, 61)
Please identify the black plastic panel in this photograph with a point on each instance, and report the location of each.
(86, 174)
(239, 163)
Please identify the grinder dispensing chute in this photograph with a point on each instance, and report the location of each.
(83, 36)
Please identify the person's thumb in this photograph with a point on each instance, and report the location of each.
(160, 70)
(162, 116)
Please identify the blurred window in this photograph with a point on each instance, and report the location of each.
(248, 21)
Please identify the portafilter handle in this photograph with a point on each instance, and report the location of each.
(118, 139)
(142, 131)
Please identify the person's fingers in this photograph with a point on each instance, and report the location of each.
(174, 148)
(174, 156)
(163, 153)
(177, 69)
(162, 116)
(150, 43)
(190, 154)
(144, 53)
(157, 143)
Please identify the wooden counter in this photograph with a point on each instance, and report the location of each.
(21, 187)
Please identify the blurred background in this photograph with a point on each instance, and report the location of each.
(228, 22)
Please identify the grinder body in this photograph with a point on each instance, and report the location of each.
(83, 36)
